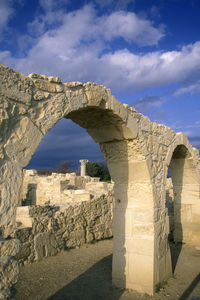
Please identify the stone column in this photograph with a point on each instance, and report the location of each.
(83, 166)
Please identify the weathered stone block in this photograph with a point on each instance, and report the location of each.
(9, 271)
(23, 142)
(9, 247)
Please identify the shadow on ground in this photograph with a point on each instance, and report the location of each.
(175, 249)
(190, 289)
(94, 284)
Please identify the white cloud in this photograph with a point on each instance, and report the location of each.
(6, 12)
(78, 48)
(191, 89)
(130, 27)
(155, 68)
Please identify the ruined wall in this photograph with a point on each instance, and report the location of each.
(51, 229)
(9, 269)
(59, 188)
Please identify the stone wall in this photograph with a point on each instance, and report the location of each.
(9, 269)
(51, 229)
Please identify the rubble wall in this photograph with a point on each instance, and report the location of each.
(55, 229)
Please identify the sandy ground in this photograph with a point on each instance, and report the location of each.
(85, 274)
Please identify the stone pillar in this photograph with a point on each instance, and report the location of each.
(133, 226)
(83, 166)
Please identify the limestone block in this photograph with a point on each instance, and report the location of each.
(165, 267)
(96, 187)
(47, 86)
(76, 94)
(15, 86)
(54, 79)
(106, 133)
(38, 76)
(9, 193)
(9, 271)
(143, 215)
(140, 276)
(121, 226)
(138, 171)
(76, 238)
(9, 247)
(18, 96)
(126, 150)
(25, 253)
(40, 95)
(119, 266)
(73, 84)
(143, 245)
(143, 229)
(118, 108)
(48, 112)
(97, 95)
(145, 124)
(44, 245)
(29, 172)
(23, 142)
(132, 124)
(23, 234)
(23, 217)
(81, 195)
(140, 194)
(69, 193)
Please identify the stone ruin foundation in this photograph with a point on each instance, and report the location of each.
(62, 211)
(59, 188)
(138, 153)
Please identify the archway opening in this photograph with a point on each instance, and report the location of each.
(129, 169)
(66, 141)
(108, 130)
(182, 198)
(57, 159)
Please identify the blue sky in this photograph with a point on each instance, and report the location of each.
(147, 52)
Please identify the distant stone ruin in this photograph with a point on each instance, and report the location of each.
(59, 188)
(61, 211)
(138, 153)
(67, 220)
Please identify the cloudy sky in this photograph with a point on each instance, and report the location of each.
(146, 51)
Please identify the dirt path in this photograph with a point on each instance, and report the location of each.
(85, 274)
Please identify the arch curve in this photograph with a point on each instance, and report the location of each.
(137, 152)
(183, 163)
(181, 139)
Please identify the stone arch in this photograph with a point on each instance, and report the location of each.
(39, 104)
(137, 152)
(182, 160)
